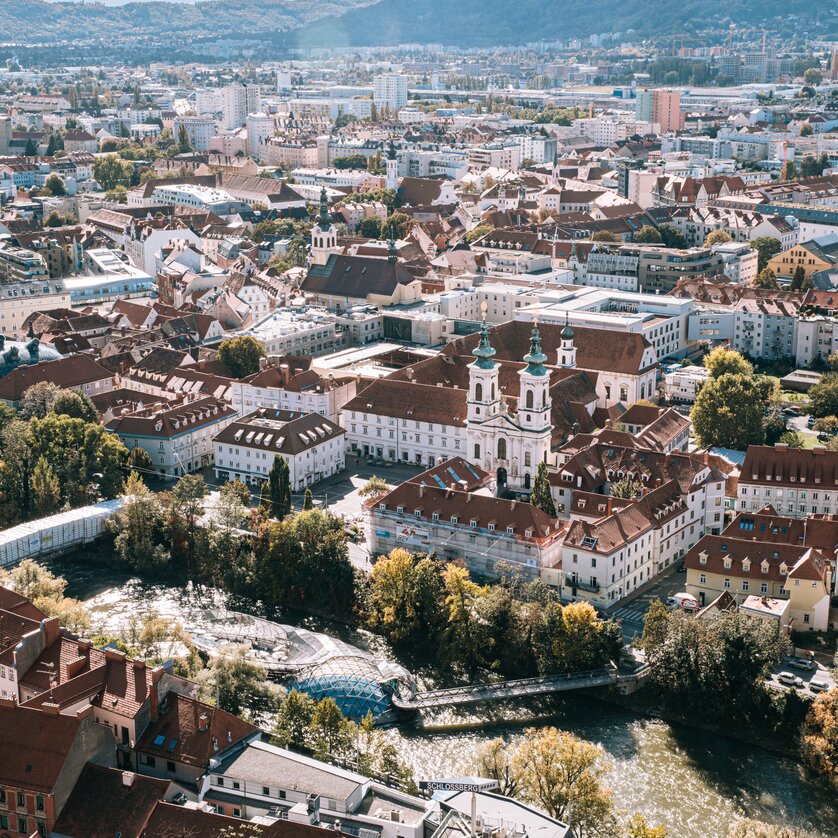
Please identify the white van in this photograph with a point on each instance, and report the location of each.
(683, 600)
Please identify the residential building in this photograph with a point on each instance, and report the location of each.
(683, 383)
(311, 445)
(797, 482)
(390, 91)
(199, 130)
(74, 372)
(21, 299)
(237, 101)
(260, 128)
(177, 435)
(19, 264)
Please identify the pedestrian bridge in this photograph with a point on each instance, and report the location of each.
(520, 688)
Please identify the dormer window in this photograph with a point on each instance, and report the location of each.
(473, 523)
(702, 558)
(417, 513)
(491, 527)
(400, 509)
(764, 567)
(454, 519)
(746, 565)
(784, 569)
(435, 516)
(382, 506)
(727, 562)
(510, 530)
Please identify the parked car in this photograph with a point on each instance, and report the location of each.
(818, 686)
(790, 679)
(179, 799)
(810, 422)
(791, 411)
(801, 663)
(824, 437)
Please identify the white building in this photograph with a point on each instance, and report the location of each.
(237, 101)
(682, 384)
(209, 198)
(312, 446)
(287, 332)
(199, 130)
(177, 435)
(20, 299)
(390, 91)
(260, 128)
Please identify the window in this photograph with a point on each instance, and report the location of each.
(236, 784)
(476, 450)
(727, 583)
(745, 585)
(805, 618)
(22, 826)
(529, 400)
(170, 766)
(39, 802)
(478, 392)
(702, 579)
(501, 449)
(21, 800)
(763, 588)
(266, 791)
(527, 459)
(4, 822)
(219, 781)
(149, 760)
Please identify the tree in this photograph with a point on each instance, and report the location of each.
(626, 488)
(494, 763)
(717, 237)
(241, 355)
(461, 593)
(823, 396)
(766, 248)
(110, 172)
(297, 252)
(186, 506)
(478, 232)
(647, 235)
(308, 500)
(279, 481)
(798, 278)
(728, 412)
(183, 144)
(75, 404)
(819, 741)
(119, 194)
(806, 130)
(541, 496)
(759, 829)
(655, 624)
(561, 774)
(293, 721)
(827, 424)
(37, 400)
(672, 236)
(140, 461)
(234, 682)
(139, 527)
(54, 184)
(639, 827)
(405, 598)
(56, 219)
(369, 227)
(31, 148)
(399, 224)
(352, 161)
(374, 488)
(46, 494)
(813, 76)
(766, 278)
(722, 360)
(793, 439)
(606, 236)
(331, 731)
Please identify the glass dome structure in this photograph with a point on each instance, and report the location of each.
(359, 684)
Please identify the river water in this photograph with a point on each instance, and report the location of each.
(693, 782)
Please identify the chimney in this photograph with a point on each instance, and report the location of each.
(128, 779)
(74, 667)
(49, 708)
(114, 655)
(51, 627)
(421, 490)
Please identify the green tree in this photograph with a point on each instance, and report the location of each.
(798, 278)
(186, 506)
(297, 252)
(369, 227)
(813, 76)
(140, 461)
(493, 762)
(766, 248)
(672, 236)
(823, 396)
(139, 527)
(331, 732)
(793, 439)
(399, 224)
(37, 400)
(279, 480)
(54, 184)
(655, 623)
(110, 172)
(183, 144)
(241, 355)
(607, 236)
(46, 494)
(827, 424)
(717, 237)
(721, 361)
(234, 683)
(293, 721)
(351, 161)
(74, 404)
(625, 488)
(647, 235)
(119, 195)
(31, 148)
(728, 412)
(562, 775)
(541, 496)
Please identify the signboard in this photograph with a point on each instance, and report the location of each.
(406, 534)
(458, 785)
(382, 534)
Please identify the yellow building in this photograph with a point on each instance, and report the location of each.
(807, 255)
(745, 567)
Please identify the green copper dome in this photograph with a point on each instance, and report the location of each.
(484, 351)
(324, 220)
(567, 332)
(535, 358)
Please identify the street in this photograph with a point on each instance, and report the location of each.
(631, 614)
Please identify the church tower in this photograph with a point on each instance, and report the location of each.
(392, 167)
(324, 237)
(483, 380)
(567, 351)
(534, 403)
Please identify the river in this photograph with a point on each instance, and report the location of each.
(693, 782)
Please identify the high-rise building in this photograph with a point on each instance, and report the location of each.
(390, 91)
(237, 101)
(5, 134)
(199, 130)
(260, 128)
(667, 110)
(645, 106)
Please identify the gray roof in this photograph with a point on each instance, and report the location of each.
(271, 766)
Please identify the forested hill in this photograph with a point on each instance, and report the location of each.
(468, 23)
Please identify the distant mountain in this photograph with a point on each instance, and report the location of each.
(359, 22)
(485, 23)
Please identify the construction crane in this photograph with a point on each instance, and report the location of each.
(745, 32)
(784, 171)
(680, 36)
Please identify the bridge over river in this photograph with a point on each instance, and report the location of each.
(522, 687)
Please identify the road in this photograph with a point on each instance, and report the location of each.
(631, 613)
(820, 673)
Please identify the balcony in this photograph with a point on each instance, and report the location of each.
(591, 587)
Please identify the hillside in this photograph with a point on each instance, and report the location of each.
(358, 22)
